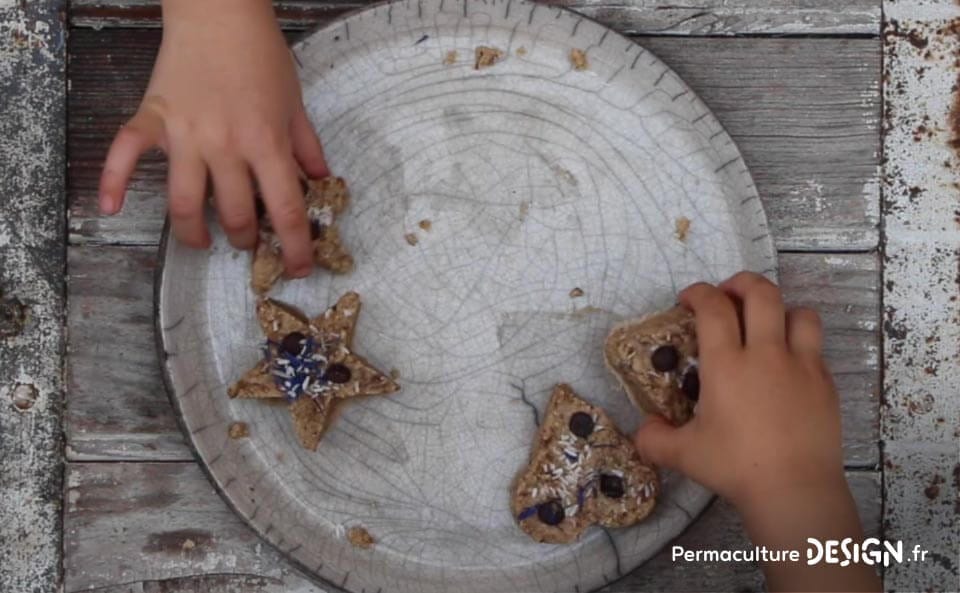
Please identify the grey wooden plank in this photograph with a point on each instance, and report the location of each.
(32, 246)
(805, 113)
(921, 415)
(118, 409)
(158, 527)
(708, 17)
(216, 583)
(113, 536)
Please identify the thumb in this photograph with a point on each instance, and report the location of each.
(306, 146)
(662, 443)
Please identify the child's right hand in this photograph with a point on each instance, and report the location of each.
(768, 418)
(224, 100)
(766, 433)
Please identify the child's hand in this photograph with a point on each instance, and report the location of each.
(768, 419)
(224, 98)
(766, 433)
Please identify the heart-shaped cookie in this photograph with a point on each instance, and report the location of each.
(582, 472)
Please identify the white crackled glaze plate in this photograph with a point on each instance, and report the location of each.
(538, 179)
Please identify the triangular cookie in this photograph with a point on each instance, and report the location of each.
(582, 472)
(655, 359)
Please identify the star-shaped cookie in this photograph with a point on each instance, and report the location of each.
(309, 363)
(325, 199)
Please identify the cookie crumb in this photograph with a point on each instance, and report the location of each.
(188, 544)
(426, 224)
(521, 51)
(578, 58)
(360, 538)
(683, 228)
(524, 210)
(411, 239)
(451, 58)
(486, 57)
(394, 374)
(238, 430)
(576, 293)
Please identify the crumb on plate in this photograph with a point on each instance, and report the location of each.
(486, 57)
(238, 430)
(578, 58)
(411, 239)
(360, 538)
(683, 228)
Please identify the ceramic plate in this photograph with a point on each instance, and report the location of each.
(540, 181)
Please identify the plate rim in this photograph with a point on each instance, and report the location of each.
(166, 239)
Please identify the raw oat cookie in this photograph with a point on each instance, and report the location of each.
(309, 363)
(582, 472)
(326, 199)
(655, 359)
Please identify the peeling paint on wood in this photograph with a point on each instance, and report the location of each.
(810, 134)
(111, 530)
(922, 487)
(921, 207)
(707, 17)
(32, 243)
(13, 316)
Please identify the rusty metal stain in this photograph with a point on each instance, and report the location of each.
(921, 206)
(13, 317)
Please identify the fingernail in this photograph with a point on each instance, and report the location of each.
(302, 271)
(107, 204)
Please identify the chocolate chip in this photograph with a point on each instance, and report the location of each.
(611, 486)
(292, 344)
(316, 230)
(581, 424)
(665, 359)
(691, 384)
(551, 513)
(337, 373)
(261, 207)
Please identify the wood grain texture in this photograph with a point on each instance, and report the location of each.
(113, 536)
(805, 116)
(712, 17)
(118, 408)
(32, 249)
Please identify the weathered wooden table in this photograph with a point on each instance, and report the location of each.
(847, 116)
